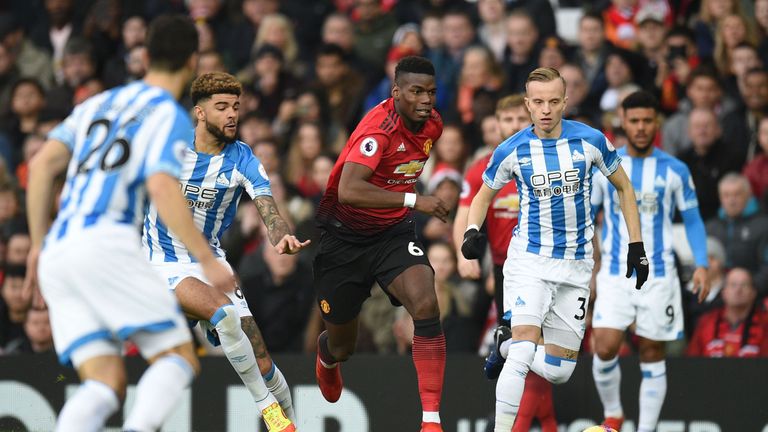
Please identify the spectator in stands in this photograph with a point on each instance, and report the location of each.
(705, 25)
(31, 60)
(304, 147)
(280, 295)
(207, 62)
(743, 59)
(732, 30)
(338, 29)
(383, 89)
(77, 66)
(244, 31)
(340, 86)
(32, 144)
(761, 19)
(520, 55)
(673, 75)
(739, 328)
(270, 81)
(756, 171)
(9, 74)
(102, 27)
(13, 308)
(374, 29)
(740, 126)
(620, 80)
(10, 206)
(703, 91)
(716, 271)
(458, 34)
(553, 53)
(742, 229)
(37, 331)
(27, 101)
(590, 55)
(121, 67)
(52, 31)
(480, 74)
(577, 91)
(650, 41)
(492, 30)
(542, 13)
(276, 30)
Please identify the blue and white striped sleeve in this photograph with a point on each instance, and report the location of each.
(253, 176)
(597, 194)
(606, 158)
(172, 132)
(66, 131)
(500, 170)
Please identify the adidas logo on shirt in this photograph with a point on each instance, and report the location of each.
(519, 302)
(401, 147)
(222, 180)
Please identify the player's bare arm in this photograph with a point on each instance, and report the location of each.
(628, 202)
(278, 231)
(48, 163)
(636, 257)
(357, 191)
(473, 239)
(165, 193)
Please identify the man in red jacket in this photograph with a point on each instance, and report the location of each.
(739, 328)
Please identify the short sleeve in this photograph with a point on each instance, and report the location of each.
(500, 169)
(66, 131)
(170, 133)
(368, 150)
(606, 158)
(253, 177)
(597, 194)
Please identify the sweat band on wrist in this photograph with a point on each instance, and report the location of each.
(409, 200)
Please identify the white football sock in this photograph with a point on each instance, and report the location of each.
(158, 392)
(653, 389)
(278, 386)
(239, 352)
(88, 409)
(509, 388)
(607, 375)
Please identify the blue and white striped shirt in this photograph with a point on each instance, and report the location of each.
(554, 177)
(662, 183)
(118, 139)
(212, 185)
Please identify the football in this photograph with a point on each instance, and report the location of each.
(599, 428)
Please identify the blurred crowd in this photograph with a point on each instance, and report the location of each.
(312, 68)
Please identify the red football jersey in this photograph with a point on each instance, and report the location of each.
(397, 157)
(714, 336)
(502, 214)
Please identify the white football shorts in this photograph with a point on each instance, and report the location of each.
(173, 273)
(101, 290)
(549, 293)
(656, 308)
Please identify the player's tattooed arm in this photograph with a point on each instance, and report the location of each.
(570, 354)
(277, 227)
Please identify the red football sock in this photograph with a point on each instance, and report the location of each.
(429, 359)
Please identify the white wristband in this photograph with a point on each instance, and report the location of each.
(473, 226)
(409, 200)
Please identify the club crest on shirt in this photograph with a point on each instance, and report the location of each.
(427, 146)
(369, 146)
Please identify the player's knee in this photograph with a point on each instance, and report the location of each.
(226, 320)
(605, 352)
(558, 370)
(424, 307)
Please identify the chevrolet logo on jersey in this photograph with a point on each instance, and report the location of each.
(410, 169)
(509, 202)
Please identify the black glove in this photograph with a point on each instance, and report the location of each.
(473, 245)
(637, 262)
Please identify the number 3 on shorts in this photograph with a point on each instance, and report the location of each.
(582, 309)
(414, 250)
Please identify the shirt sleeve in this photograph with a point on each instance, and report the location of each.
(597, 194)
(606, 158)
(169, 132)
(685, 193)
(66, 131)
(253, 177)
(500, 170)
(368, 150)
